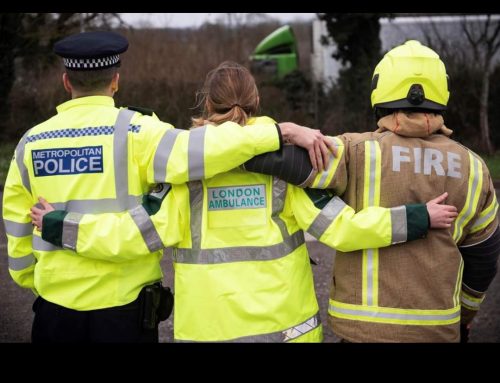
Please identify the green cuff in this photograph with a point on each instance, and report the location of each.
(52, 227)
(152, 201)
(319, 197)
(417, 221)
(151, 204)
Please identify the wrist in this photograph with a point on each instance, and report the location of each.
(286, 131)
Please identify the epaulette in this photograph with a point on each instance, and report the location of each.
(145, 111)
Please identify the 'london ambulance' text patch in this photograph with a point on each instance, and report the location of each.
(237, 197)
(63, 161)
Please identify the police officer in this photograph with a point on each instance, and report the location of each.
(428, 290)
(92, 157)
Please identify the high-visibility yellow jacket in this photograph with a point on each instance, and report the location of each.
(242, 270)
(92, 158)
(411, 292)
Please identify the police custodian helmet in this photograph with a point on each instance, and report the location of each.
(91, 50)
(410, 76)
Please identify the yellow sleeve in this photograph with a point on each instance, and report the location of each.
(339, 226)
(177, 156)
(118, 237)
(17, 201)
(147, 142)
(485, 220)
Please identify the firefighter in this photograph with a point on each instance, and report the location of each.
(428, 290)
(242, 270)
(94, 158)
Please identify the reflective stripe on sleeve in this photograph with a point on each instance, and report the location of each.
(240, 253)
(39, 244)
(393, 315)
(471, 302)
(323, 179)
(196, 153)
(399, 224)
(21, 263)
(279, 336)
(162, 154)
(97, 206)
(70, 230)
(326, 217)
(486, 217)
(17, 229)
(147, 228)
(20, 162)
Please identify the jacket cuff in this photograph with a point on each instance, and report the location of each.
(52, 227)
(280, 136)
(417, 218)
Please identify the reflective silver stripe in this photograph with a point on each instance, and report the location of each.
(20, 162)
(70, 230)
(120, 156)
(370, 253)
(162, 154)
(302, 328)
(96, 206)
(484, 219)
(240, 254)
(369, 272)
(472, 305)
(17, 229)
(278, 336)
(196, 154)
(196, 208)
(39, 244)
(399, 224)
(326, 217)
(461, 221)
(401, 316)
(279, 195)
(373, 172)
(147, 228)
(21, 263)
(326, 172)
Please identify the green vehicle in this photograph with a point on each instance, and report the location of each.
(277, 54)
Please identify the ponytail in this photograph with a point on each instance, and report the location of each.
(234, 114)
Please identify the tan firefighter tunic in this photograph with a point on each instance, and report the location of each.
(411, 292)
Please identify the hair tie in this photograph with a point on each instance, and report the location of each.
(232, 106)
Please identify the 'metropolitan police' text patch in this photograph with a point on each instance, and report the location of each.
(63, 161)
(237, 197)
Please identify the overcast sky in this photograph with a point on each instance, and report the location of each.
(186, 20)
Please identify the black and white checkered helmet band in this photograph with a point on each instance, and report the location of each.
(102, 62)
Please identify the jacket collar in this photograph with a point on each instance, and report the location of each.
(83, 101)
(413, 124)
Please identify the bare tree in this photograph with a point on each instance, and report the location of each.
(484, 40)
(474, 53)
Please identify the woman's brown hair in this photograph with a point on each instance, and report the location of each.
(229, 94)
